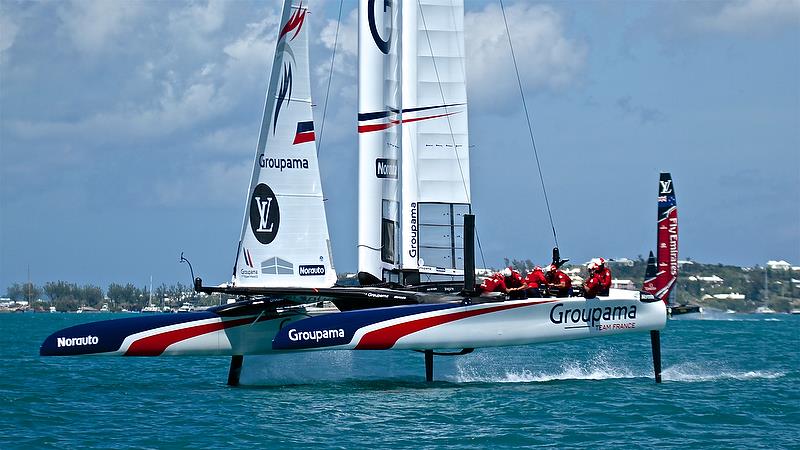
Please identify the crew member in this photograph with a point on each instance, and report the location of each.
(493, 283)
(515, 284)
(535, 281)
(599, 280)
(558, 282)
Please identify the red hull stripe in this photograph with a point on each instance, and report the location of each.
(300, 138)
(385, 338)
(391, 123)
(156, 344)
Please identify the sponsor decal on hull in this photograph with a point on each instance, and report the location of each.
(584, 316)
(77, 341)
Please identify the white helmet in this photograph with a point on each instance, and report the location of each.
(506, 272)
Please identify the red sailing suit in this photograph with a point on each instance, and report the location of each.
(598, 283)
(514, 280)
(560, 281)
(536, 279)
(494, 283)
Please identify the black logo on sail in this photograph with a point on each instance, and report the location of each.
(265, 217)
(383, 45)
(386, 168)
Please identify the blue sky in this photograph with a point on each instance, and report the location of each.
(127, 131)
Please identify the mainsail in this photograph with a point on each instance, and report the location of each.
(429, 162)
(662, 281)
(284, 240)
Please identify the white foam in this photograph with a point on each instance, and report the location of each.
(598, 368)
(694, 373)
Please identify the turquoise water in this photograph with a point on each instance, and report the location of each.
(729, 381)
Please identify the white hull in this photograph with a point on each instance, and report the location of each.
(418, 327)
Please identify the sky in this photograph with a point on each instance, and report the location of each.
(127, 131)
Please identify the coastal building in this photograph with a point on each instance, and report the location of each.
(712, 279)
(728, 296)
(779, 265)
(620, 262)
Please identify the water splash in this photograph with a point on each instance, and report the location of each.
(692, 372)
(599, 367)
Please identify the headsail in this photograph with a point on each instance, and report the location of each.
(661, 283)
(284, 240)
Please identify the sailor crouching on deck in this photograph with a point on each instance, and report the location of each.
(535, 281)
(558, 282)
(515, 284)
(599, 280)
(508, 281)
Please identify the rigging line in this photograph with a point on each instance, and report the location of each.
(330, 77)
(530, 127)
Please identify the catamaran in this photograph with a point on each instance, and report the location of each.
(661, 274)
(416, 231)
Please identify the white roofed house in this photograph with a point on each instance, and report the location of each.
(712, 279)
(779, 265)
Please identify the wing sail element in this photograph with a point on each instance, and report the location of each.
(663, 280)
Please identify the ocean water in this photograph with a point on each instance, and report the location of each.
(730, 381)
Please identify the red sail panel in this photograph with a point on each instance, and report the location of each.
(660, 281)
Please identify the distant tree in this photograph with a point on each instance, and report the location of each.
(91, 295)
(124, 295)
(60, 290)
(25, 291)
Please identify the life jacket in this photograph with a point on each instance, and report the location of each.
(535, 278)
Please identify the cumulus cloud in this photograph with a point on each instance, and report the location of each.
(96, 26)
(547, 58)
(210, 184)
(347, 44)
(8, 31)
(748, 15)
(170, 111)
